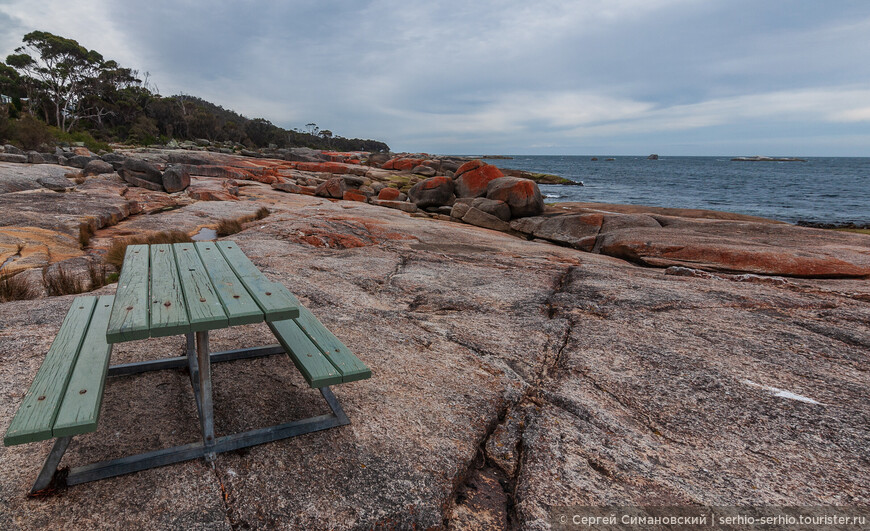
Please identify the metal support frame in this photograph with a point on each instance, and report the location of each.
(198, 360)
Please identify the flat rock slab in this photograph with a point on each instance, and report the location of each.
(19, 177)
(708, 240)
(615, 384)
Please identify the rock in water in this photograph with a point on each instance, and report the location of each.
(522, 195)
(175, 179)
(436, 191)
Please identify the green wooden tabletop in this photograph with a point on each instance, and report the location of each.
(174, 289)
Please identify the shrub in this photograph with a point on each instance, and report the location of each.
(7, 128)
(15, 288)
(59, 281)
(261, 213)
(115, 254)
(97, 274)
(33, 134)
(79, 136)
(225, 227)
(85, 233)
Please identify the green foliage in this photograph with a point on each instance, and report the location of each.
(7, 129)
(32, 134)
(79, 136)
(80, 92)
(144, 131)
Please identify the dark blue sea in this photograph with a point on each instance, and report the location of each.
(821, 190)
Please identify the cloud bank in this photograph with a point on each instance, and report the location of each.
(594, 76)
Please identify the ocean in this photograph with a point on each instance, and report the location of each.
(820, 191)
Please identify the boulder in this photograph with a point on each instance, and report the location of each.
(665, 247)
(210, 194)
(294, 188)
(522, 195)
(460, 208)
(142, 183)
(303, 154)
(113, 157)
(436, 191)
(377, 159)
(575, 230)
(474, 177)
(399, 205)
(388, 194)
(480, 218)
(140, 170)
(13, 157)
(425, 171)
(188, 158)
(9, 148)
(79, 161)
(175, 179)
(82, 151)
(97, 167)
(41, 158)
(334, 187)
(499, 209)
(55, 183)
(353, 181)
(355, 195)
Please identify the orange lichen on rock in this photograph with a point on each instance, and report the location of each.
(354, 195)
(473, 178)
(389, 194)
(327, 167)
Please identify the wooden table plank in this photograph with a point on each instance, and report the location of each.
(80, 408)
(238, 304)
(129, 319)
(274, 299)
(350, 366)
(38, 410)
(204, 308)
(305, 354)
(168, 311)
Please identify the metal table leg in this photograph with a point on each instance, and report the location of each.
(198, 360)
(46, 475)
(206, 410)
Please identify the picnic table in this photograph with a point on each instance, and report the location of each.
(165, 290)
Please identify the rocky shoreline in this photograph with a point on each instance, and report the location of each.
(114, 186)
(579, 354)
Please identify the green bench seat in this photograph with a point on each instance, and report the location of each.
(321, 358)
(67, 392)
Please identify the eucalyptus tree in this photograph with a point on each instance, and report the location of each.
(59, 70)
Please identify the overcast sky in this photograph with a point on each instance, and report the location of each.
(674, 77)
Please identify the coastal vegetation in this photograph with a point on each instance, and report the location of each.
(56, 90)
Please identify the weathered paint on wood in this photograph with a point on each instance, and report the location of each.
(274, 299)
(238, 304)
(80, 409)
(316, 369)
(336, 352)
(38, 410)
(129, 320)
(204, 308)
(168, 312)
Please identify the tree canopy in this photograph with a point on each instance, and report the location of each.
(76, 89)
